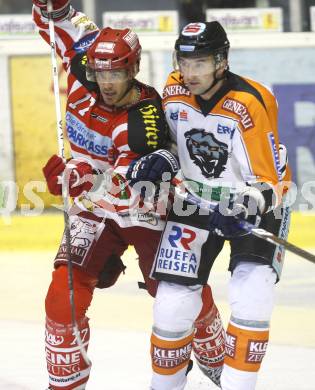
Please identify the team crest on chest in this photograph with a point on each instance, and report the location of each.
(208, 153)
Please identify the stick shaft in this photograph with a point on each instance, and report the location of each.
(250, 228)
(65, 182)
(59, 127)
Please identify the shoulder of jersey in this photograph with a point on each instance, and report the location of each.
(78, 70)
(176, 90)
(247, 98)
(267, 97)
(147, 91)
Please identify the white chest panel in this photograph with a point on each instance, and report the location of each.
(208, 146)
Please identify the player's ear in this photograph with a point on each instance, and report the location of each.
(222, 66)
(134, 70)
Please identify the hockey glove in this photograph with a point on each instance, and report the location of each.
(248, 206)
(80, 175)
(61, 8)
(152, 166)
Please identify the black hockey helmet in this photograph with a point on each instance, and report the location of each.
(197, 39)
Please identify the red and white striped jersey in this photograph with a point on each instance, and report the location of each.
(96, 132)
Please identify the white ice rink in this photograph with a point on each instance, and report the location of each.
(121, 320)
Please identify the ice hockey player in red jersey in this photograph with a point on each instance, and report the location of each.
(106, 124)
(111, 119)
(225, 128)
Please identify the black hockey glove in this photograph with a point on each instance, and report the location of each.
(151, 167)
(247, 206)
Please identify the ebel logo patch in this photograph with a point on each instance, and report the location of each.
(83, 44)
(240, 110)
(175, 90)
(256, 351)
(174, 116)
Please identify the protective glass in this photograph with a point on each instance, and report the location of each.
(113, 76)
(196, 66)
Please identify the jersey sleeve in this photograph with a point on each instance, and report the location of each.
(147, 128)
(261, 142)
(142, 130)
(73, 35)
(170, 105)
(124, 155)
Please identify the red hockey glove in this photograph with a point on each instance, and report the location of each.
(52, 171)
(61, 8)
(80, 175)
(57, 4)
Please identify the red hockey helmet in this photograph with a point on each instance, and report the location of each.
(113, 49)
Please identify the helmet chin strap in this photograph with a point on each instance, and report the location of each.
(131, 96)
(215, 81)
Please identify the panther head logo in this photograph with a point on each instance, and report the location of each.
(209, 154)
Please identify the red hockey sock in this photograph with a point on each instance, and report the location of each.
(209, 339)
(66, 367)
(57, 302)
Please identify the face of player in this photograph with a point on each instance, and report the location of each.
(113, 84)
(198, 73)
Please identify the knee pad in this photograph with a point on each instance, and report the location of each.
(251, 291)
(176, 307)
(57, 303)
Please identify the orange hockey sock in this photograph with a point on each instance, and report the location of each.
(245, 348)
(170, 356)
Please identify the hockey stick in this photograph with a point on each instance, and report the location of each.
(65, 181)
(194, 199)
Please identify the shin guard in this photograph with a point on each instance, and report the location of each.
(209, 339)
(66, 367)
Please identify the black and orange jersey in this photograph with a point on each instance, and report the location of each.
(228, 141)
